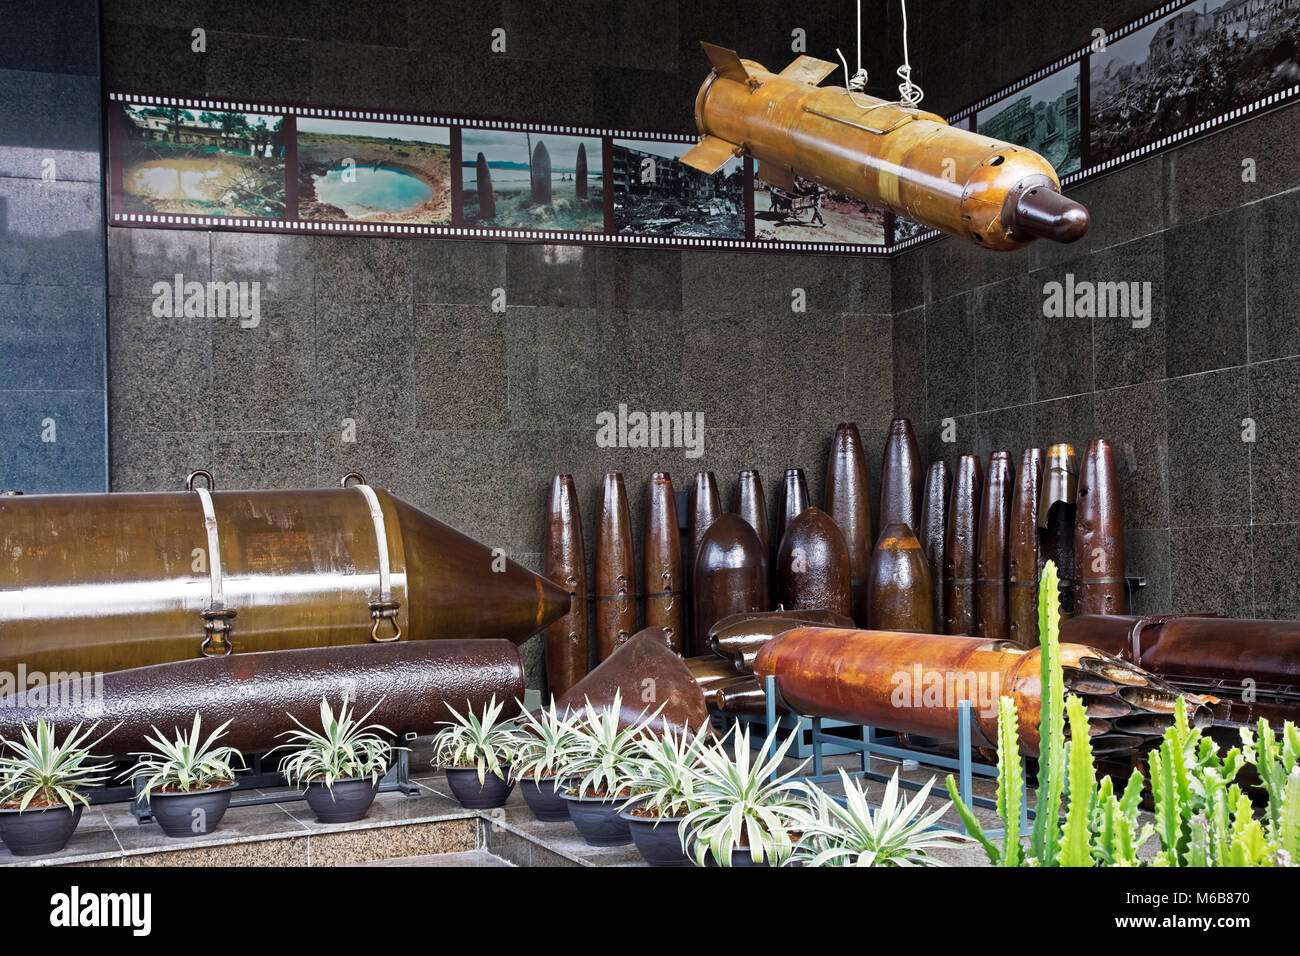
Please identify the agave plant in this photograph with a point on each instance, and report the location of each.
(895, 834)
(187, 763)
(544, 744)
(663, 771)
(485, 744)
(345, 748)
(742, 802)
(602, 758)
(41, 771)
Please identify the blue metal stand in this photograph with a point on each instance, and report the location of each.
(871, 745)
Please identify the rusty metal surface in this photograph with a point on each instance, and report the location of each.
(933, 532)
(706, 507)
(1056, 511)
(912, 683)
(902, 477)
(662, 567)
(730, 575)
(751, 504)
(1023, 562)
(1101, 585)
(739, 637)
(711, 671)
(899, 595)
(960, 566)
(744, 696)
(986, 192)
(646, 673)
(991, 546)
(813, 564)
(615, 571)
(416, 679)
(848, 502)
(565, 563)
(107, 582)
(793, 500)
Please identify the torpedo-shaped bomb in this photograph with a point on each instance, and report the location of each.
(794, 499)
(901, 477)
(751, 504)
(848, 502)
(565, 563)
(1023, 560)
(1101, 584)
(706, 506)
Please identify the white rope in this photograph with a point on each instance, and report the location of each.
(909, 94)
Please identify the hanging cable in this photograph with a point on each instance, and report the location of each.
(909, 94)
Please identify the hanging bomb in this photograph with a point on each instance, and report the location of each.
(664, 582)
(991, 549)
(899, 596)
(615, 597)
(960, 566)
(813, 564)
(565, 563)
(848, 501)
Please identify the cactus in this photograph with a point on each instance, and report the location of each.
(1010, 791)
(1076, 838)
(1045, 841)
(1275, 757)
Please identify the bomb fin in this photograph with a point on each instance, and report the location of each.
(726, 63)
(782, 177)
(809, 69)
(710, 154)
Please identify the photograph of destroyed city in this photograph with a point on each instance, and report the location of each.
(655, 194)
(1044, 117)
(808, 212)
(1194, 64)
(194, 162)
(374, 172)
(514, 180)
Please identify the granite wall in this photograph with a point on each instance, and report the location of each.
(1202, 403)
(52, 407)
(465, 411)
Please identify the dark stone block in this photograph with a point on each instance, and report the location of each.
(62, 36)
(1146, 554)
(460, 368)
(339, 77)
(1208, 461)
(1064, 420)
(266, 373)
(1211, 570)
(1135, 421)
(557, 276)
(153, 59)
(141, 258)
(722, 367)
(799, 350)
(1004, 327)
(363, 269)
(909, 365)
(464, 273)
(365, 365)
(949, 354)
(1005, 429)
(76, 458)
(1276, 580)
(1274, 404)
(283, 68)
(647, 279)
(52, 336)
(1273, 281)
(263, 459)
(1125, 354)
(51, 233)
(868, 360)
(157, 461)
(1205, 295)
(50, 116)
(160, 373)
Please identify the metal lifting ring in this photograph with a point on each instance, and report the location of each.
(209, 640)
(361, 479)
(200, 473)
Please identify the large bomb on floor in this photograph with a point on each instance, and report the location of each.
(1101, 584)
(107, 582)
(615, 618)
(899, 596)
(662, 567)
(934, 531)
(413, 683)
(812, 565)
(848, 502)
(1023, 561)
(991, 549)
(901, 477)
(1056, 510)
(565, 563)
(730, 576)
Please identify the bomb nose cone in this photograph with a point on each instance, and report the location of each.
(1043, 212)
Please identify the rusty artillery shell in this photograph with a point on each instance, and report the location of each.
(412, 683)
(751, 504)
(1022, 551)
(664, 577)
(706, 506)
(744, 696)
(812, 564)
(1101, 585)
(1056, 510)
(991, 549)
(912, 683)
(959, 548)
(848, 501)
(711, 672)
(738, 637)
(934, 531)
(899, 597)
(901, 477)
(646, 673)
(794, 499)
(615, 570)
(565, 563)
(731, 575)
(105, 582)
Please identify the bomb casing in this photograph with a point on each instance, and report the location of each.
(813, 565)
(615, 616)
(960, 568)
(991, 549)
(662, 567)
(848, 502)
(565, 563)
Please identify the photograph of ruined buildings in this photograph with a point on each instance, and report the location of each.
(191, 162)
(655, 194)
(1191, 65)
(1044, 117)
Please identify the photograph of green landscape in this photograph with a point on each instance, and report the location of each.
(517, 180)
(191, 162)
(374, 172)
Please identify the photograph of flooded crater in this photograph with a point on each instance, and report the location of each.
(517, 180)
(656, 194)
(374, 172)
(195, 162)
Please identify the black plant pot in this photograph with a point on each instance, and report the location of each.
(739, 857)
(658, 839)
(36, 832)
(493, 792)
(195, 813)
(598, 820)
(349, 801)
(544, 799)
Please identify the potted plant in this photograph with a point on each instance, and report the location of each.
(340, 765)
(187, 782)
(475, 752)
(40, 787)
(743, 811)
(543, 745)
(662, 782)
(598, 772)
(850, 834)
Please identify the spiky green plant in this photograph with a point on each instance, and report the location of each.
(543, 743)
(345, 748)
(1045, 840)
(1275, 757)
(1010, 791)
(484, 743)
(601, 760)
(40, 770)
(1076, 836)
(742, 801)
(186, 764)
(662, 775)
(851, 834)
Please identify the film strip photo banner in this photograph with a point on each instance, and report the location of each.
(180, 162)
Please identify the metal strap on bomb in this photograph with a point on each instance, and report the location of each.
(386, 608)
(217, 629)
